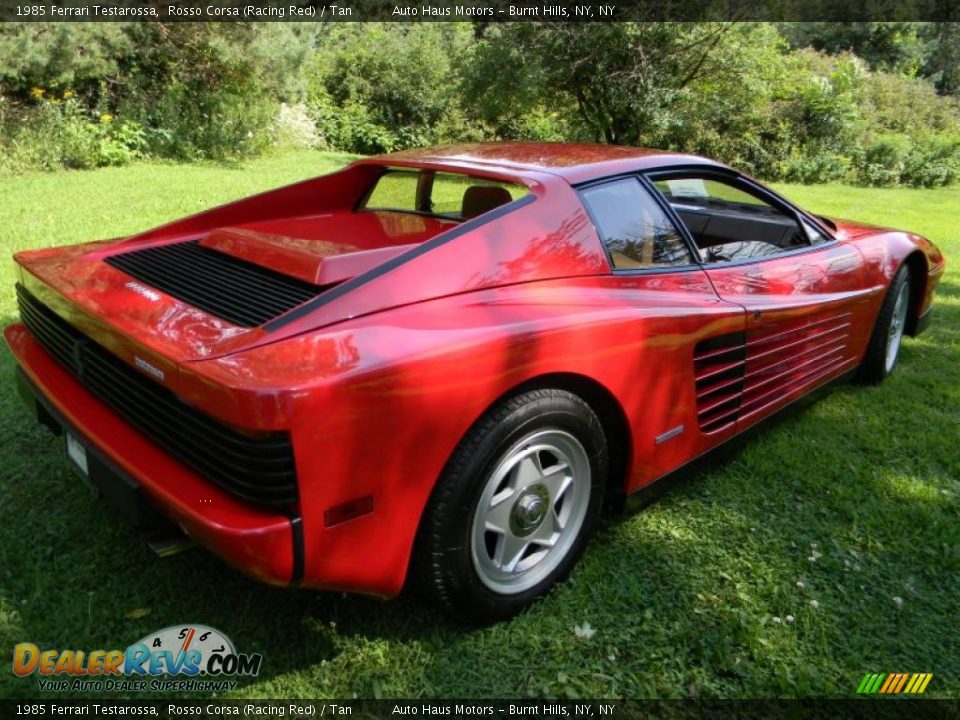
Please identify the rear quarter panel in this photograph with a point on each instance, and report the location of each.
(379, 404)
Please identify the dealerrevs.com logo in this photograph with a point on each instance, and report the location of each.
(177, 658)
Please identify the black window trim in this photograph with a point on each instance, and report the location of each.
(661, 201)
(735, 178)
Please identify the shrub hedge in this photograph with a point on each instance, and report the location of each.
(85, 95)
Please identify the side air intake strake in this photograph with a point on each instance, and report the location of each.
(739, 376)
(257, 467)
(791, 355)
(236, 290)
(718, 368)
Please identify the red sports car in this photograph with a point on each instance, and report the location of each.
(439, 364)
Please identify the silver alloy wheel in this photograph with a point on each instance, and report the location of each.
(898, 321)
(530, 511)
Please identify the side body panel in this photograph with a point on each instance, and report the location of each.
(809, 316)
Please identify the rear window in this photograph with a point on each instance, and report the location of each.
(449, 195)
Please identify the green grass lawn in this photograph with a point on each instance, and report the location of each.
(826, 548)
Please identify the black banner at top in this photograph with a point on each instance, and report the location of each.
(475, 10)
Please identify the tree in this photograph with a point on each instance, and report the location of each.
(401, 72)
(943, 64)
(621, 78)
(899, 47)
(74, 56)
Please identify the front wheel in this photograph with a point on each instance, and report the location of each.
(514, 507)
(883, 350)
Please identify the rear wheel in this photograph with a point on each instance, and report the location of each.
(883, 350)
(514, 507)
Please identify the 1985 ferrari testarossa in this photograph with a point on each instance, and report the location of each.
(440, 363)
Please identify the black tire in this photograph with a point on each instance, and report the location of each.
(444, 569)
(874, 367)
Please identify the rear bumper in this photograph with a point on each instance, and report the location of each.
(263, 543)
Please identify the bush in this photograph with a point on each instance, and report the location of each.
(59, 133)
(883, 160)
(381, 87)
(928, 160)
(349, 127)
(203, 92)
(539, 123)
(904, 104)
(189, 122)
(730, 115)
(821, 103)
(80, 57)
(734, 92)
(805, 167)
(185, 91)
(933, 161)
(293, 127)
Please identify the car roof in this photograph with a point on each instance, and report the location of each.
(575, 162)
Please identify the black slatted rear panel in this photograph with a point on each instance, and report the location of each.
(236, 290)
(259, 468)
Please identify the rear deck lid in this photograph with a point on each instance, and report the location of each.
(190, 298)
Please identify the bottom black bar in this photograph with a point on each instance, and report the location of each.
(870, 708)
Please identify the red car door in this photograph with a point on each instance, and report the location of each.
(678, 404)
(808, 302)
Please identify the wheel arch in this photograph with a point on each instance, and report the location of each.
(616, 429)
(916, 263)
(613, 419)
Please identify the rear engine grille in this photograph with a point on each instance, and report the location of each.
(259, 468)
(740, 376)
(236, 290)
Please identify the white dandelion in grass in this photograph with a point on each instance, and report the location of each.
(584, 632)
(898, 601)
(815, 605)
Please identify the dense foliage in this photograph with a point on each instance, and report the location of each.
(88, 94)
(872, 103)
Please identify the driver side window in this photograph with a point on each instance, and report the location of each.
(729, 223)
